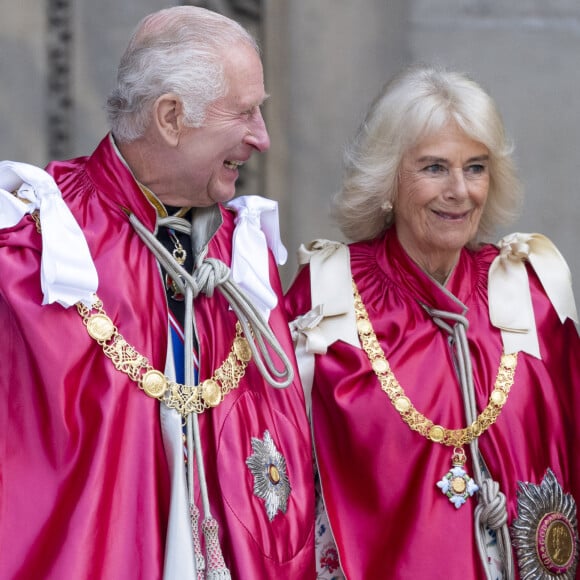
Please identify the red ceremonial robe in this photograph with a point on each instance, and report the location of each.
(84, 481)
(378, 477)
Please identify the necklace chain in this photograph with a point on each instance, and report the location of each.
(179, 255)
(403, 405)
(179, 252)
(185, 399)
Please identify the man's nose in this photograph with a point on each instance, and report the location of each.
(258, 136)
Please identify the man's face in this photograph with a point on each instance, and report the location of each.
(208, 157)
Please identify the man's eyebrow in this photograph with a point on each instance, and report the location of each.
(256, 103)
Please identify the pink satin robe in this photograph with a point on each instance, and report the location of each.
(84, 482)
(378, 477)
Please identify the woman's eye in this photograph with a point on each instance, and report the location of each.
(476, 169)
(434, 168)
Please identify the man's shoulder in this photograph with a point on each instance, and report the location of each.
(23, 235)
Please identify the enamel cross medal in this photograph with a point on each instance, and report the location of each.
(456, 484)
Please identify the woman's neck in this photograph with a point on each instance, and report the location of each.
(438, 265)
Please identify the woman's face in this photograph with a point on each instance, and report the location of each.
(443, 187)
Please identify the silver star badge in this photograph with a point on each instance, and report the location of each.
(545, 533)
(268, 467)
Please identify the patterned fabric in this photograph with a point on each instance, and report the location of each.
(495, 564)
(327, 561)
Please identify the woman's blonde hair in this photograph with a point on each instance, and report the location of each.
(418, 102)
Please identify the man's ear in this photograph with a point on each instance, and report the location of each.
(168, 118)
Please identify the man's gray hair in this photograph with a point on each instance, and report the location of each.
(177, 50)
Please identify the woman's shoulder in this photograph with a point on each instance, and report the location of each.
(529, 284)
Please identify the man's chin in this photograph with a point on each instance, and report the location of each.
(223, 196)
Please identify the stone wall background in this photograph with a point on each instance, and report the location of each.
(324, 62)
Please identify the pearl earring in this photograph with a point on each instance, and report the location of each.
(387, 207)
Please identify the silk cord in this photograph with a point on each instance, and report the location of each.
(491, 510)
(209, 274)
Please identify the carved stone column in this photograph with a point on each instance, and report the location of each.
(59, 91)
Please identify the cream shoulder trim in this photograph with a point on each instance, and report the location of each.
(331, 316)
(510, 302)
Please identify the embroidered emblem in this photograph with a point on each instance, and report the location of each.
(268, 467)
(456, 483)
(176, 293)
(545, 533)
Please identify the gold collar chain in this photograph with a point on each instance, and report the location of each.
(185, 399)
(403, 405)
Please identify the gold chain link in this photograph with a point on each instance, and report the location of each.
(403, 405)
(184, 399)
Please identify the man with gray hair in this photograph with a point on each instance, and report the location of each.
(152, 422)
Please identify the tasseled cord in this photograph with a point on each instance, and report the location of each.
(491, 509)
(208, 275)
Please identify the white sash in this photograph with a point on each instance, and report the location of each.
(68, 274)
(257, 229)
